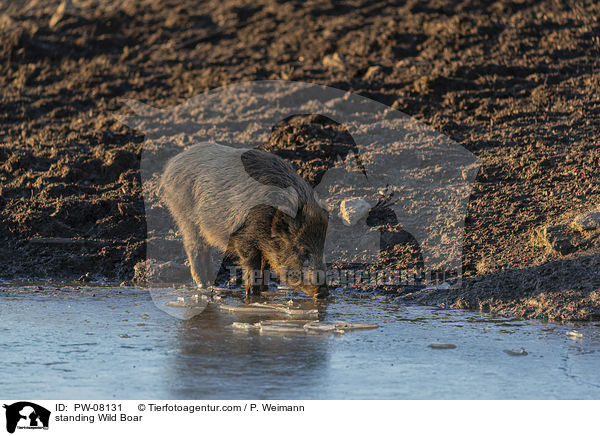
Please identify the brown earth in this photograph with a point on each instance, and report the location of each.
(515, 82)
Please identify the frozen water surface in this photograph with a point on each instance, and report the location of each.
(93, 342)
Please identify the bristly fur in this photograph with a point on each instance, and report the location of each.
(248, 202)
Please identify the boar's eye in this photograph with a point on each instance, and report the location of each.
(304, 254)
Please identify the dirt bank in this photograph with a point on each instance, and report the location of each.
(516, 83)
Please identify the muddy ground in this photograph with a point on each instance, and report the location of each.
(517, 83)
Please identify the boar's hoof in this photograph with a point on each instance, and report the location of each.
(322, 292)
(253, 291)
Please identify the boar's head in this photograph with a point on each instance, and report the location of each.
(297, 254)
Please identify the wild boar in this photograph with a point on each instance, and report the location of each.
(252, 204)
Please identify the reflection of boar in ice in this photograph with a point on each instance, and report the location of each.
(252, 204)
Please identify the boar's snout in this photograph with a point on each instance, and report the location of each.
(309, 279)
(315, 283)
(316, 291)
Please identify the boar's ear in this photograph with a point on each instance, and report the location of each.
(281, 224)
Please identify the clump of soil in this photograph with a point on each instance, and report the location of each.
(514, 82)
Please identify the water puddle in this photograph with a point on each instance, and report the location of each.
(61, 341)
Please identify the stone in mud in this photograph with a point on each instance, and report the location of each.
(442, 346)
(60, 12)
(335, 61)
(520, 352)
(373, 73)
(587, 221)
(352, 210)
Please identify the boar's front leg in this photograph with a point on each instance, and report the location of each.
(251, 263)
(206, 264)
(198, 253)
